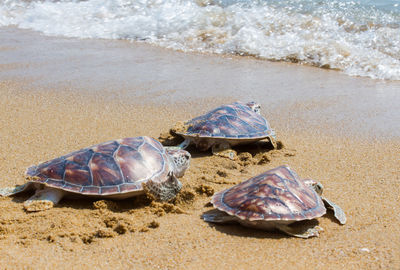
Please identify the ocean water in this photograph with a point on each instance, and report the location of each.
(359, 38)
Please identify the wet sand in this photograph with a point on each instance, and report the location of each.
(59, 95)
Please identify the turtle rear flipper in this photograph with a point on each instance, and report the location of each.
(224, 150)
(337, 211)
(273, 142)
(310, 232)
(9, 191)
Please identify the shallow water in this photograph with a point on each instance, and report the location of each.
(140, 73)
(360, 38)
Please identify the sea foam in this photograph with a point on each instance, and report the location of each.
(358, 38)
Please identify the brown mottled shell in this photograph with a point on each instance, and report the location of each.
(113, 167)
(278, 194)
(232, 121)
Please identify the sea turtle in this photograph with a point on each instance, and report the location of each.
(273, 200)
(115, 169)
(226, 126)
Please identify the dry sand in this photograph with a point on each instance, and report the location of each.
(339, 130)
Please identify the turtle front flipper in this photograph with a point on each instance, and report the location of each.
(337, 211)
(43, 199)
(272, 139)
(9, 191)
(183, 145)
(273, 142)
(224, 150)
(163, 191)
(310, 232)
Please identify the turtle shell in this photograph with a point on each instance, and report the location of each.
(233, 121)
(119, 166)
(278, 194)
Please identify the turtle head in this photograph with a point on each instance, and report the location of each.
(181, 160)
(254, 106)
(318, 187)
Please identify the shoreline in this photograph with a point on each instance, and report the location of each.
(60, 95)
(152, 75)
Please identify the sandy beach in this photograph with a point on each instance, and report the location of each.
(58, 95)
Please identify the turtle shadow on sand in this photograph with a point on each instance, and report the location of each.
(195, 153)
(83, 202)
(238, 230)
(128, 205)
(258, 148)
(115, 206)
(255, 149)
(331, 216)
